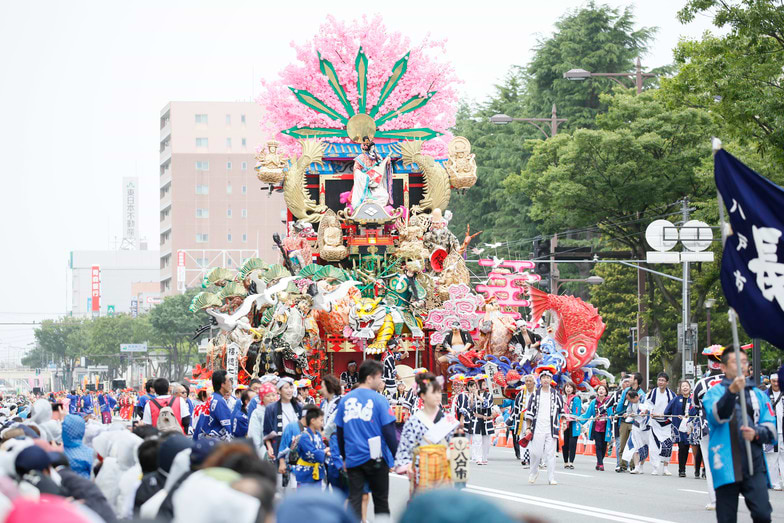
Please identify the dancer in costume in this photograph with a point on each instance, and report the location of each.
(516, 421)
(660, 435)
(309, 469)
(350, 377)
(126, 406)
(106, 404)
(422, 452)
(700, 389)
(600, 428)
(464, 410)
(775, 453)
(573, 408)
(483, 429)
(636, 449)
(389, 361)
(543, 418)
(681, 408)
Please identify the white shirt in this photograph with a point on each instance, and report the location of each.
(543, 415)
(289, 414)
(185, 411)
(661, 402)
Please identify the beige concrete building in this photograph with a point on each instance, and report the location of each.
(213, 210)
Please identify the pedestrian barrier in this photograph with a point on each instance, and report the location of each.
(590, 447)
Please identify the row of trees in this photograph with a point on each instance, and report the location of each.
(167, 329)
(623, 160)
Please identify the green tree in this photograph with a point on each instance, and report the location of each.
(595, 38)
(737, 76)
(633, 168)
(62, 342)
(107, 333)
(173, 327)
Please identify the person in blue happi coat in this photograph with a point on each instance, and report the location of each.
(728, 436)
(310, 469)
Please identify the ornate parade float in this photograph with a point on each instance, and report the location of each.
(369, 267)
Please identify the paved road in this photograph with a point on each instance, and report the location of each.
(584, 494)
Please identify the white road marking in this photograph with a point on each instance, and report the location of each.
(571, 474)
(690, 490)
(576, 508)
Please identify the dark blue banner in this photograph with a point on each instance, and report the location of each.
(752, 267)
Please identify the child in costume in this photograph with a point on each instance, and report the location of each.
(310, 470)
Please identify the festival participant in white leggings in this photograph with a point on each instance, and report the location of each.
(542, 417)
(483, 429)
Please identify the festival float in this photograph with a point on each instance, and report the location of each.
(369, 267)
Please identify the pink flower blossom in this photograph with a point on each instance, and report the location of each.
(339, 42)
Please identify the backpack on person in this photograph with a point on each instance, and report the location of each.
(166, 417)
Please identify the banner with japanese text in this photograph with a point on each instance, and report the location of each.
(752, 266)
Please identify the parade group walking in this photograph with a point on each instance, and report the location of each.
(350, 433)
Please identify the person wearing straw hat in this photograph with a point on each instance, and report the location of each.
(543, 417)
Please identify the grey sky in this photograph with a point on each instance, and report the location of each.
(84, 83)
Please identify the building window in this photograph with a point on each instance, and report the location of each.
(228, 213)
(201, 238)
(244, 166)
(202, 213)
(228, 143)
(228, 237)
(244, 189)
(202, 165)
(228, 165)
(201, 118)
(228, 188)
(244, 237)
(244, 213)
(202, 262)
(244, 142)
(201, 142)
(242, 119)
(202, 189)
(228, 119)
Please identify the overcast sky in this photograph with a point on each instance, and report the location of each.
(84, 82)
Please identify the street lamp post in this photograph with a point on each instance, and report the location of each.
(709, 303)
(590, 280)
(581, 74)
(502, 119)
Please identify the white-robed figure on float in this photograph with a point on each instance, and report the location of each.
(372, 177)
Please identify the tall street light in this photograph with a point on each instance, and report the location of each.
(638, 76)
(709, 303)
(502, 119)
(590, 280)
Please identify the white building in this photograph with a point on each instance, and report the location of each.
(124, 276)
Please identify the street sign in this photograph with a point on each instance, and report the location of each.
(110, 310)
(203, 346)
(648, 344)
(98, 368)
(690, 340)
(133, 347)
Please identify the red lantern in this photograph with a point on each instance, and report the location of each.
(578, 376)
(594, 382)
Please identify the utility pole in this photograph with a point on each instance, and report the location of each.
(687, 337)
(640, 331)
(553, 266)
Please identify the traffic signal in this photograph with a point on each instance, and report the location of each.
(542, 258)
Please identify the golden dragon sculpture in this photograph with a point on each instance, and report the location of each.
(437, 189)
(301, 205)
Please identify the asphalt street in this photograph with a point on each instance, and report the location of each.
(584, 494)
